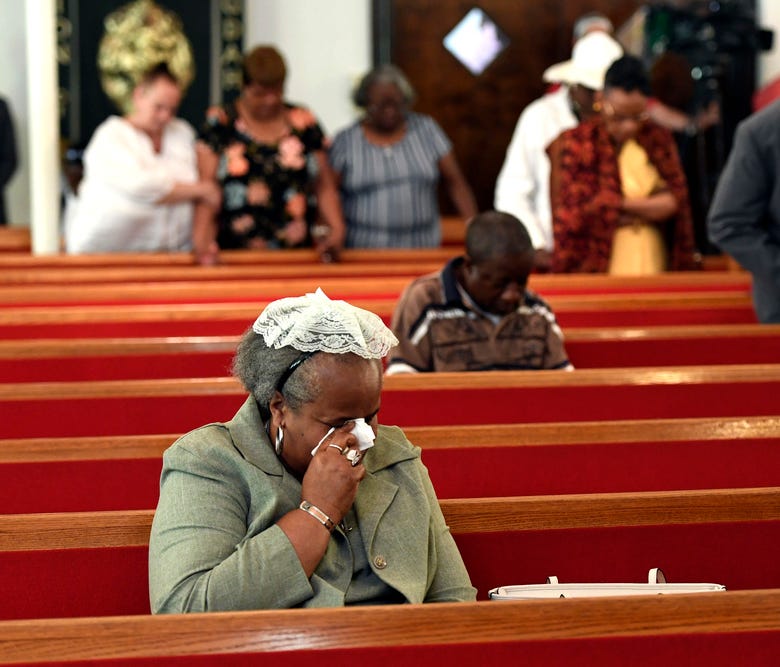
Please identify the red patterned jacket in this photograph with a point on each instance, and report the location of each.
(586, 196)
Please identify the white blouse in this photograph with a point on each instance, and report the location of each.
(123, 178)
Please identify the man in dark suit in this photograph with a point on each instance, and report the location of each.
(7, 154)
(744, 219)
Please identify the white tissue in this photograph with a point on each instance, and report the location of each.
(360, 429)
(364, 434)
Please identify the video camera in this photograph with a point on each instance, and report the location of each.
(712, 35)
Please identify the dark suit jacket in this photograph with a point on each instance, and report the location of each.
(744, 218)
(7, 154)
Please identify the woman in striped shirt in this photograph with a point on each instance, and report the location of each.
(388, 166)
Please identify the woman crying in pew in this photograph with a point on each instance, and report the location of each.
(302, 499)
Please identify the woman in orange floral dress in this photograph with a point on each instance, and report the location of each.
(268, 156)
(619, 194)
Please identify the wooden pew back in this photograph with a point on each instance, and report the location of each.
(713, 629)
(222, 318)
(73, 359)
(116, 473)
(410, 263)
(342, 287)
(86, 564)
(126, 407)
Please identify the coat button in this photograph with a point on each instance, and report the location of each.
(379, 562)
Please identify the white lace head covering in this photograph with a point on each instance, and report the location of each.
(315, 323)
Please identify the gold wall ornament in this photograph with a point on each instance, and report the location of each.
(231, 57)
(235, 7)
(232, 29)
(138, 36)
(64, 33)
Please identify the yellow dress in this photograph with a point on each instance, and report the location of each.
(639, 249)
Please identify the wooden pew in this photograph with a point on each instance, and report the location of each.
(453, 232)
(203, 291)
(226, 318)
(369, 279)
(734, 627)
(95, 564)
(123, 472)
(14, 240)
(386, 288)
(71, 359)
(360, 264)
(673, 345)
(87, 275)
(126, 407)
(652, 309)
(214, 319)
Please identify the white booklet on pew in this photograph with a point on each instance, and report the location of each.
(656, 585)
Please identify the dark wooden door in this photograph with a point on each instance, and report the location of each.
(479, 113)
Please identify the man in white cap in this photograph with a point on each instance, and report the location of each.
(523, 187)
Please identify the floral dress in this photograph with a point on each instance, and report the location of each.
(264, 186)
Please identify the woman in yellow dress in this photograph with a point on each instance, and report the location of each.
(619, 195)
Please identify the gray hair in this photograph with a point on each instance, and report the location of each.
(383, 74)
(259, 368)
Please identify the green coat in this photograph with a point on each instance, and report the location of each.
(215, 545)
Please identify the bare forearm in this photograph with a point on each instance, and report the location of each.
(184, 192)
(330, 210)
(464, 200)
(655, 208)
(457, 186)
(329, 205)
(204, 234)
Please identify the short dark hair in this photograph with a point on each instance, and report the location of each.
(493, 233)
(629, 74)
(265, 66)
(383, 74)
(157, 71)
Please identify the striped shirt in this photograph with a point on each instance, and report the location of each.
(439, 328)
(389, 193)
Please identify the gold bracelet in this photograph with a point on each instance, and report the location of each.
(318, 514)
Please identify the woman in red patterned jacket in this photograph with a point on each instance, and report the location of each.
(619, 195)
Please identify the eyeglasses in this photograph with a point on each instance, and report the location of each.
(609, 112)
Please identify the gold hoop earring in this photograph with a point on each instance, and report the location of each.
(596, 106)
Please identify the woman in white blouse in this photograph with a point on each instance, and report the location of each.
(140, 177)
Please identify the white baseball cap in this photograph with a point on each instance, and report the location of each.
(590, 59)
